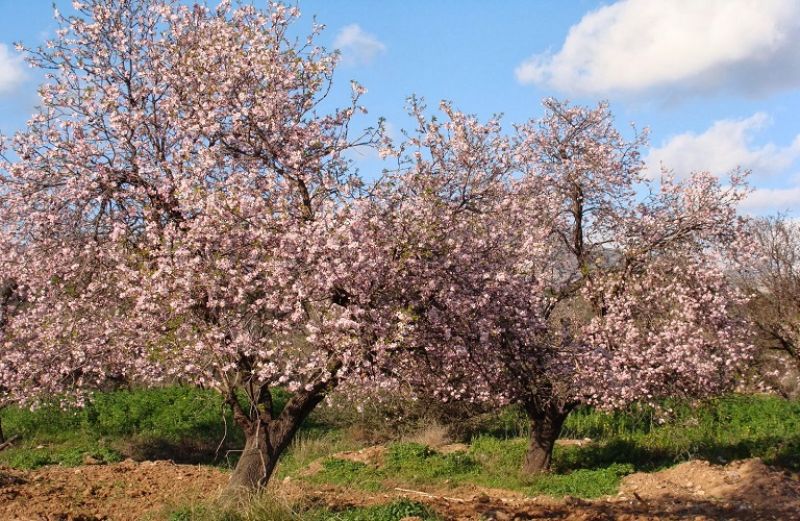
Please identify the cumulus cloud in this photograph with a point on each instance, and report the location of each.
(358, 47)
(731, 143)
(773, 200)
(727, 144)
(11, 69)
(677, 46)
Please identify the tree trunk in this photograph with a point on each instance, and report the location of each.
(267, 435)
(265, 441)
(2, 436)
(546, 423)
(256, 464)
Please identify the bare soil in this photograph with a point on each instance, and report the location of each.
(696, 490)
(122, 491)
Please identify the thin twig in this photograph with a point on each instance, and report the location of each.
(224, 435)
(9, 442)
(455, 499)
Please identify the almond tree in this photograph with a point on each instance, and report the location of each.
(179, 207)
(543, 269)
(642, 300)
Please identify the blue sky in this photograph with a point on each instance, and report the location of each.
(717, 81)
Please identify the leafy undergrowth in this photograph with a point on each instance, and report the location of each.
(720, 430)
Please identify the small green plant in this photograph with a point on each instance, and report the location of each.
(401, 453)
(394, 511)
(183, 514)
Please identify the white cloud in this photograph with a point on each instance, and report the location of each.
(773, 200)
(678, 46)
(358, 47)
(11, 69)
(727, 144)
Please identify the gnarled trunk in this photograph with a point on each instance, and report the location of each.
(268, 433)
(266, 438)
(546, 423)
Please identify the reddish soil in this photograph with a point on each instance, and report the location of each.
(123, 491)
(696, 490)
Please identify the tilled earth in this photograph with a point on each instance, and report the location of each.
(696, 490)
(121, 491)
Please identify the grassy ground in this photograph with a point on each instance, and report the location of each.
(189, 425)
(176, 423)
(640, 439)
(269, 509)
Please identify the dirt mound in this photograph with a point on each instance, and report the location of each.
(452, 448)
(574, 443)
(746, 480)
(122, 491)
(746, 488)
(368, 456)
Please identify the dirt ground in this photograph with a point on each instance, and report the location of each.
(122, 491)
(130, 491)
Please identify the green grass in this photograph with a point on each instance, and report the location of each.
(394, 511)
(720, 430)
(180, 423)
(261, 508)
(266, 508)
(490, 462)
(70, 453)
(640, 439)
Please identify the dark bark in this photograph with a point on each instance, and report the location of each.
(267, 435)
(256, 464)
(546, 422)
(265, 440)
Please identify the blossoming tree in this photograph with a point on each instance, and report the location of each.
(545, 270)
(179, 207)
